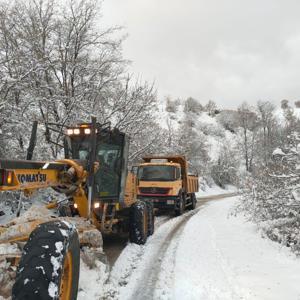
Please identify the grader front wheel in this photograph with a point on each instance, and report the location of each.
(49, 266)
(65, 290)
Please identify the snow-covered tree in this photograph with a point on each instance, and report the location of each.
(192, 105)
(59, 67)
(211, 108)
(267, 130)
(272, 197)
(247, 120)
(226, 169)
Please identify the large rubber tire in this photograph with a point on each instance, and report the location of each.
(193, 204)
(138, 227)
(150, 211)
(49, 266)
(181, 199)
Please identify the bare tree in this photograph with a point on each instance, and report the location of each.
(192, 105)
(248, 124)
(268, 124)
(211, 108)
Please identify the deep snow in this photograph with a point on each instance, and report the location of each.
(228, 259)
(214, 255)
(205, 254)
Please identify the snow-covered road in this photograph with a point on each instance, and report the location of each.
(204, 254)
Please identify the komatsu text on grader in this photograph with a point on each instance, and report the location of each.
(42, 250)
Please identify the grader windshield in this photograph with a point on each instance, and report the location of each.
(111, 154)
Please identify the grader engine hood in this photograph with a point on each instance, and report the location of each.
(28, 175)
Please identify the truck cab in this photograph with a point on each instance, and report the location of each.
(164, 182)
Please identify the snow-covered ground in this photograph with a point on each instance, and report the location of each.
(205, 254)
(228, 259)
(216, 190)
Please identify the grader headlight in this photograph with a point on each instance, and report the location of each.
(9, 178)
(76, 131)
(70, 131)
(82, 130)
(6, 177)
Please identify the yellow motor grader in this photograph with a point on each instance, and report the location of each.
(40, 249)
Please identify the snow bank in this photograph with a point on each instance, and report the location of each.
(91, 281)
(132, 273)
(215, 190)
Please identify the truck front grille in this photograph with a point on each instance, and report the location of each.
(154, 190)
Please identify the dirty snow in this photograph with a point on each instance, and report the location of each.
(9, 248)
(91, 281)
(137, 265)
(204, 254)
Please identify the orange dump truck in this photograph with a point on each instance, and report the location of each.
(164, 181)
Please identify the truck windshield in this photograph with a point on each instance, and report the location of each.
(157, 173)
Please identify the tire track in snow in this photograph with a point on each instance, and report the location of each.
(150, 277)
(224, 266)
(136, 274)
(134, 254)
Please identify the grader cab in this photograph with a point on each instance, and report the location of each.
(45, 244)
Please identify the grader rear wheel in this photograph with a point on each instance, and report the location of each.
(138, 231)
(49, 266)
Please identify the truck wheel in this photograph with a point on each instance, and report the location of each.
(150, 218)
(193, 201)
(179, 210)
(49, 266)
(138, 231)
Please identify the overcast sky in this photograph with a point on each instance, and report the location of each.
(229, 51)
